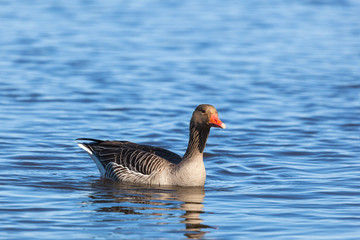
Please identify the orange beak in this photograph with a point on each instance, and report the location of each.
(216, 122)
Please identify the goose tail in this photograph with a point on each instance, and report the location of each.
(87, 147)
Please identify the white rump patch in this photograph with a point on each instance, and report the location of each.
(96, 160)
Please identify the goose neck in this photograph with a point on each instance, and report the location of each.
(197, 141)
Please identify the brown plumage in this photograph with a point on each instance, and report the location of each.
(143, 164)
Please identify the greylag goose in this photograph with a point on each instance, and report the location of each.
(141, 164)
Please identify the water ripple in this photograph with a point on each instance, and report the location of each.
(283, 75)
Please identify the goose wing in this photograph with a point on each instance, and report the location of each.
(120, 160)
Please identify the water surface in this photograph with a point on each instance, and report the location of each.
(284, 76)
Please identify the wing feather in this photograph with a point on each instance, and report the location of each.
(122, 159)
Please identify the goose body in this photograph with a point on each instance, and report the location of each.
(142, 164)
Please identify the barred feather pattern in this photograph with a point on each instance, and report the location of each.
(123, 162)
(133, 159)
(117, 172)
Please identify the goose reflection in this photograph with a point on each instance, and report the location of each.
(159, 203)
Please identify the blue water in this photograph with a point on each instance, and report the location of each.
(284, 76)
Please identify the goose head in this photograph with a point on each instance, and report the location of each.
(205, 115)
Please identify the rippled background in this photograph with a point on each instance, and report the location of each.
(284, 76)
